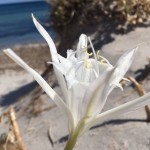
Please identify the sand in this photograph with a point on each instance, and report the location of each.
(128, 132)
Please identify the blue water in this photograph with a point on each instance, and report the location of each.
(16, 26)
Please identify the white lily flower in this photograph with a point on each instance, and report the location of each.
(86, 83)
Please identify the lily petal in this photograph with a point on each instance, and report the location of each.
(49, 91)
(97, 93)
(121, 68)
(82, 47)
(120, 110)
(54, 55)
(65, 62)
(71, 56)
(123, 65)
(125, 61)
(48, 39)
(76, 93)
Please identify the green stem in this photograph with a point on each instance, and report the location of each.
(74, 136)
(71, 142)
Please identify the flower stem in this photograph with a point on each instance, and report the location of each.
(71, 142)
(74, 136)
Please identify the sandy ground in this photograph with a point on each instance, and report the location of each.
(128, 132)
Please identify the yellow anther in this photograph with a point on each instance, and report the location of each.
(87, 63)
(102, 61)
(90, 54)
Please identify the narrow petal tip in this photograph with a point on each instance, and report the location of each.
(8, 51)
(32, 15)
(36, 23)
(34, 20)
(133, 51)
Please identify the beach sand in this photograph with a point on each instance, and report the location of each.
(129, 132)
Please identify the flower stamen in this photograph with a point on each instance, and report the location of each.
(87, 63)
(90, 54)
(103, 61)
(86, 51)
(94, 53)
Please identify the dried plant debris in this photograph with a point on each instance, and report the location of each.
(140, 76)
(49, 134)
(5, 144)
(140, 90)
(137, 86)
(129, 11)
(11, 140)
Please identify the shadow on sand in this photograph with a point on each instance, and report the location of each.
(25, 90)
(110, 122)
(102, 32)
(15, 95)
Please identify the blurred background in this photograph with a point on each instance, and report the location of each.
(16, 26)
(67, 19)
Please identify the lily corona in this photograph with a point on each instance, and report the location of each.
(86, 80)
